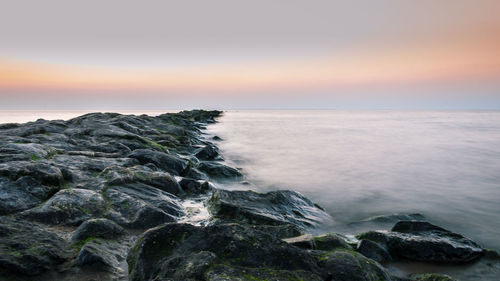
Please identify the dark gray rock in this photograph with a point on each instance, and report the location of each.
(343, 265)
(208, 152)
(374, 251)
(226, 272)
(116, 175)
(102, 228)
(141, 206)
(69, 207)
(383, 222)
(325, 242)
(22, 194)
(165, 248)
(431, 277)
(28, 249)
(273, 208)
(101, 254)
(165, 162)
(218, 171)
(422, 241)
(43, 172)
(194, 187)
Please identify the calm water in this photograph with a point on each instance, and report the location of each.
(357, 164)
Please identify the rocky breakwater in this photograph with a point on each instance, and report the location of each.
(103, 197)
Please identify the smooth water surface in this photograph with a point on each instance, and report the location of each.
(357, 164)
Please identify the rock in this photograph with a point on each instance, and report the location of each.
(343, 265)
(422, 241)
(431, 277)
(30, 151)
(116, 175)
(44, 173)
(273, 208)
(383, 222)
(219, 171)
(208, 152)
(101, 254)
(225, 272)
(102, 228)
(68, 207)
(166, 162)
(165, 248)
(22, 194)
(28, 249)
(331, 241)
(305, 241)
(141, 206)
(216, 138)
(326, 242)
(194, 187)
(373, 251)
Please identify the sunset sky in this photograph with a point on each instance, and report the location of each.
(250, 54)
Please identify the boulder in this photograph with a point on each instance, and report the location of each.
(161, 252)
(165, 162)
(431, 277)
(140, 206)
(272, 208)
(423, 241)
(26, 249)
(22, 194)
(116, 175)
(345, 265)
(101, 254)
(326, 242)
(207, 152)
(45, 173)
(102, 228)
(374, 251)
(194, 187)
(69, 207)
(218, 171)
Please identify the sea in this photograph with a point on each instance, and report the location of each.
(358, 164)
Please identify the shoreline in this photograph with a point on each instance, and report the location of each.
(102, 195)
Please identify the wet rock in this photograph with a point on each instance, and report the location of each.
(422, 241)
(431, 277)
(141, 206)
(326, 242)
(219, 171)
(68, 207)
(194, 187)
(383, 222)
(31, 151)
(234, 245)
(82, 167)
(343, 265)
(101, 254)
(28, 249)
(22, 194)
(116, 175)
(102, 228)
(225, 272)
(373, 251)
(43, 172)
(273, 208)
(208, 152)
(166, 162)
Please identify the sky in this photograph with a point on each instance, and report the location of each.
(231, 54)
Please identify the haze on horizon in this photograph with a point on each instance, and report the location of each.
(250, 55)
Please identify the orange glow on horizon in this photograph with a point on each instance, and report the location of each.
(450, 61)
